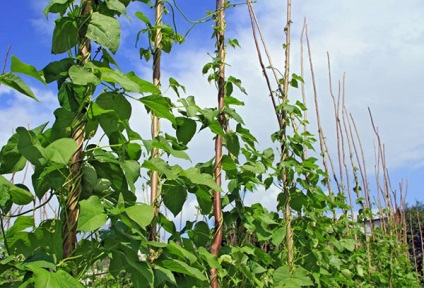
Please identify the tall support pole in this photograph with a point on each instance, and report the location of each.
(217, 205)
(154, 178)
(74, 188)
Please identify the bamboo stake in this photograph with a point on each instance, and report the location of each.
(217, 205)
(284, 148)
(322, 142)
(154, 177)
(72, 205)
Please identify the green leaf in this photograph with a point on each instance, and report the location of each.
(164, 275)
(200, 234)
(89, 179)
(142, 17)
(229, 100)
(190, 106)
(186, 128)
(158, 164)
(210, 258)
(18, 66)
(237, 82)
(278, 236)
(117, 6)
(298, 78)
(130, 82)
(255, 167)
(57, 70)
(233, 114)
(163, 144)
(104, 30)
(65, 35)
(204, 198)
(141, 214)
(232, 143)
(57, 6)
(131, 169)
(47, 279)
(175, 249)
(233, 43)
(196, 177)
(30, 148)
(16, 83)
(347, 273)
(298, 200)
(18, 195)
(174, 196)
(143, 85)
(92, 215)
(116, 102)
(21, 223)
(61, 150)
(348, 244)
(102, 186)
(175, 85)
(228, 164)
(299, 277)
(5, 203)
(10, 158)
(216, 128)
(142, 269)
(82, 76)
(159, 105)
(181, 267)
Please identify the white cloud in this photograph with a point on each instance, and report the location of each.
(21, 110)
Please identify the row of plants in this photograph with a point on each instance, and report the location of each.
(104, 236)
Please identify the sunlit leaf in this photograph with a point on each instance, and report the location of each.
(16, 83)
(65, 35)
(141, 214)
(104, 30)
(18, 66)
(92, 215)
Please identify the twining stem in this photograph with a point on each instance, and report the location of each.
(284, 148)
(217, 207)
(154, 178)
(74, 188)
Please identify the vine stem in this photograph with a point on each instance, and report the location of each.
(154, 177)
(284, 150)
(217, 205)
(74, 188)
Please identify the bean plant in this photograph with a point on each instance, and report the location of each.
(103, 235)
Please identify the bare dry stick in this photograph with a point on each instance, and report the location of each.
(413, 244)
(337, 118)
(217, 205)
(72, 203)
(322, 141)
(421, 236)
(403, 209)
(349, 192)
(274, 72)
(361, 168)
(154, 177)
(377, 181)
(5, 59)
(364, 174)
(383, 190)
(302, 88)
(253, 20)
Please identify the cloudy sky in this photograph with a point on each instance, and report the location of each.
(378, 44)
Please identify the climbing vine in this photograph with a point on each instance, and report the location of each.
(92, 164)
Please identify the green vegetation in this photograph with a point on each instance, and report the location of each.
(103, 236)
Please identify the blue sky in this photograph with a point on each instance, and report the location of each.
(378, 44)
